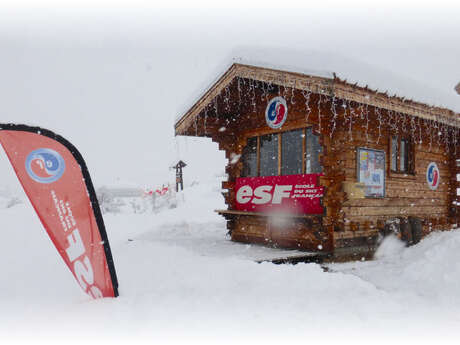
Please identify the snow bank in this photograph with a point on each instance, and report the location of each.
(428, 270)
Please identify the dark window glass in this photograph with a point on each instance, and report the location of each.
(250, 158)
(269, 155)
(291, 152)
(402, 160)
(312, 152)
(394, 153)
(403, 156)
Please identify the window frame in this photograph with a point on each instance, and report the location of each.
(279, 134)
(410, 154)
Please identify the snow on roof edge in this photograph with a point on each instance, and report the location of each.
(325, 65)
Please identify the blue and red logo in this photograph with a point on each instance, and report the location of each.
(276, 112)
(432, 176)
(45, 165)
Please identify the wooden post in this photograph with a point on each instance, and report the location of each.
(179, 176)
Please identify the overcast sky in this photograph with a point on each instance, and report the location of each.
(113, 79)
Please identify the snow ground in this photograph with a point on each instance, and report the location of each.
(182, 281)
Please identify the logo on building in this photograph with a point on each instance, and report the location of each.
(432, 176)
(45, 165)
(276, 112)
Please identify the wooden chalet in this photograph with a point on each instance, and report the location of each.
(319, 164)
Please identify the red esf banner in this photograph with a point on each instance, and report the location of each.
(57, 183)
(298, 194)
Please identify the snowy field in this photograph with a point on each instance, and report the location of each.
(182, 281)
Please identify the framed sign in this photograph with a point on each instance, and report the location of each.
(371, 172)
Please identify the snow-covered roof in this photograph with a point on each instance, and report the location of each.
(327, 65)
(332, 66)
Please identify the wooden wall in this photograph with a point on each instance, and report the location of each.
(405, 194)
(343, 127)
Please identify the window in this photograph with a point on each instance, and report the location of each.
(312, 152)
(401, 155)
(287, 153)
(291, 152)
(268, 154)
(250, 158)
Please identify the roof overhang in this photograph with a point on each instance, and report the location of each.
(333, 87)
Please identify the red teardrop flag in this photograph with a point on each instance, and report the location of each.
(57, 183)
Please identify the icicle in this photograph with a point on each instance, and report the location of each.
(412, 128)
(292, 91)
(449, 132)
(306, 95)
(215, 106)
(253, 98)
(397, 117)
(319, 113)
(392, 122)
(196, 127)
(361, 111)
(434, 125)
(379, 118)
(455, 139)
(446, 136)
(403, 121)
(350, 126)
(227, 99)
(284, 87)
(420, 140)
(263, 96)
(205, 119)
(430, 131)
(239, 92)
(269, 88)
(366, 111)
(334, 117)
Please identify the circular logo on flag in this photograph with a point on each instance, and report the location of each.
(45, 165)
(276, 112)
(432, 176)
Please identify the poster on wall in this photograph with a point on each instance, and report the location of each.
(371, 172)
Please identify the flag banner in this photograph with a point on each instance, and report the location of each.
(57, 183)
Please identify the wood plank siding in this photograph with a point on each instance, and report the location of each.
(346, 118)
